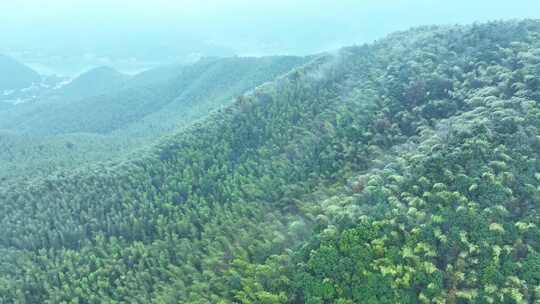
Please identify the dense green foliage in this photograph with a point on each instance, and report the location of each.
(204, 84)
(102, 115)
(406, 171)
(26, 155)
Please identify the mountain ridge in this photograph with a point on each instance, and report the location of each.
(93, 82)
(16, 75)
(126, 117)
(401, 171)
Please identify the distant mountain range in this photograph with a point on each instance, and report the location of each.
(92, 82)
(106, 113)
(131, 56)
(15, 76)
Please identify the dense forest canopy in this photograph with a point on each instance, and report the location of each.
(104, 115)
(402, 171)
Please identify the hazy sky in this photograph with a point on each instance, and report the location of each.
(173, 28)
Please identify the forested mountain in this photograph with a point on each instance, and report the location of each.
(102, 114)
(96, 81)
(404, 171)
(15, 75)
(205, 84)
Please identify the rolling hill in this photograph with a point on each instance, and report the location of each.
(403, 171)
(94, 82)
(15, 76)
(114, 115)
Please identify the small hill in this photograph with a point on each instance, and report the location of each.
(205, 85)
(14, 75)
(93, 82)
(127, 114)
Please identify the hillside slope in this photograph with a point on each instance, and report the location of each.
(67, 129)
(207, 83)
(405, 171)
(15, 75)
(96, 81)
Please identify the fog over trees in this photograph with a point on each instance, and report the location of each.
(278, 153)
